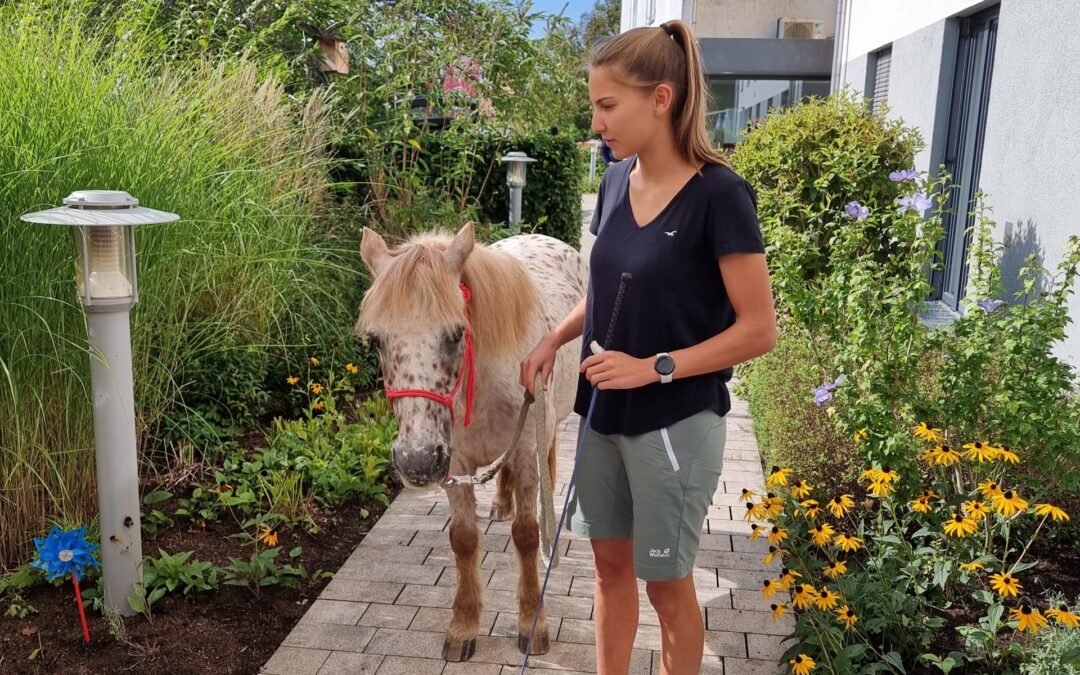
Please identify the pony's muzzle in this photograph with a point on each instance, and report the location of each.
(422, 466)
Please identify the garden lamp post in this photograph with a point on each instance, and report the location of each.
(515, 178)
(103, 224)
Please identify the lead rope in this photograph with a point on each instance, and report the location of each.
(624, 279)
(545, 495)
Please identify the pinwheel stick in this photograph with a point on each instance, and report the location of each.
(82, 612)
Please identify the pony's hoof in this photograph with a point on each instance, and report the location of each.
(540, 644)
(460, 651)
(500, 514)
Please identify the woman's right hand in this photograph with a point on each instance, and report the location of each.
(540, 360)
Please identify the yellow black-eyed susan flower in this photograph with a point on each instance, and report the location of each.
(746, 495)
(822, 534)
(777, 535)
(926, 433)
(291, 380)
(861, 435)
(976, 509)
(839, 506)
(778, 610)
(773, 554)
(1007, 503)
(769, 588)
(1064, 617)
(756, 531)
(980, 452)
(1005, 584)
(811, 510)
(989, 489)
(943, 455)
(268, 536)
(316, 388)
(827, 600)
(1007, 455)
(801, 490)
(787, 578)
(833, 570)
(802, 664)
(754, 512)
(847, 617)
(929, 495)
(1029, 619)
(848, 543)
(352, 368)
(880, 488)
(922, 505)
(778, 477)
(318, 405)
(1051, 510)
(803, 596)
(314, 361)
(960, 526)
(971, 566)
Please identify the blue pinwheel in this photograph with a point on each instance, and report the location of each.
(61, 553)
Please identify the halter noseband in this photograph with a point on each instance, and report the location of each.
(468, 369)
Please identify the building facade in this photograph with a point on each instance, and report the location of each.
(759, 54)
(994, 88)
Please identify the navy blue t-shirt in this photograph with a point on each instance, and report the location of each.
(676, 297)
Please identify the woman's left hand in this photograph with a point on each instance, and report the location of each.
(618, 370)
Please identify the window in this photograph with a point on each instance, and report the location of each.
(734, 103)
(650, 12)
(879, 80)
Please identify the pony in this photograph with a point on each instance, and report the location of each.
(451, 321)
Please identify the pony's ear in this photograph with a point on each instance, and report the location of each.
(460, 248)
(373, 251)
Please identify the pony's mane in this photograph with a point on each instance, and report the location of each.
(417, 287)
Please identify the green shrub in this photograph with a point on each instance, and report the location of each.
(789, 432)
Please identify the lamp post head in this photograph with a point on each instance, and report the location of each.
(103, 225)
(516, 162)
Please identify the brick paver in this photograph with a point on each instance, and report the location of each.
(387, 608)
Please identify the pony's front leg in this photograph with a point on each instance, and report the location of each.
(460, 642)
(526, 535)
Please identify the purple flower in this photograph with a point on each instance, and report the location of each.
(857, 211)
(823, 394)
(917, 202)
(903, 175)
(990, 305)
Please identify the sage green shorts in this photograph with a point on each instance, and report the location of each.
(654, 488)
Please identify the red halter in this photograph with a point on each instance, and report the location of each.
(468, 367)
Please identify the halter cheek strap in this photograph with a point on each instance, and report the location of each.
(467, 376)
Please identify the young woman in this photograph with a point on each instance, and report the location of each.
(674, 215)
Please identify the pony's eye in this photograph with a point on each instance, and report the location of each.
(454, 336)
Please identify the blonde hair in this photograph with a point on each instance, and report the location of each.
(667, 54)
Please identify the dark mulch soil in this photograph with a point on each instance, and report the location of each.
(226, 631)
(1058, 570)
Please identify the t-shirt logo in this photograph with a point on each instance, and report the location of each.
(671, 234)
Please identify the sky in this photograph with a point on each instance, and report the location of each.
(574, 10)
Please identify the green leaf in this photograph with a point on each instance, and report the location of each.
(893, 659)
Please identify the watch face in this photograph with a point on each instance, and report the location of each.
(665, 365)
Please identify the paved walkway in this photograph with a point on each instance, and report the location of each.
(387, 608)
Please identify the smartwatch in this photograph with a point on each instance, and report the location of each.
(665, 365)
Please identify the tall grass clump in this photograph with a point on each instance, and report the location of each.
(84, 105)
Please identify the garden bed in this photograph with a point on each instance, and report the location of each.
(230, 630)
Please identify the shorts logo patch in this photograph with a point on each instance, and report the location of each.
(658, 553)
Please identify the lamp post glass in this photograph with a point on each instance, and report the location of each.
(515, 178)
(103, 225)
